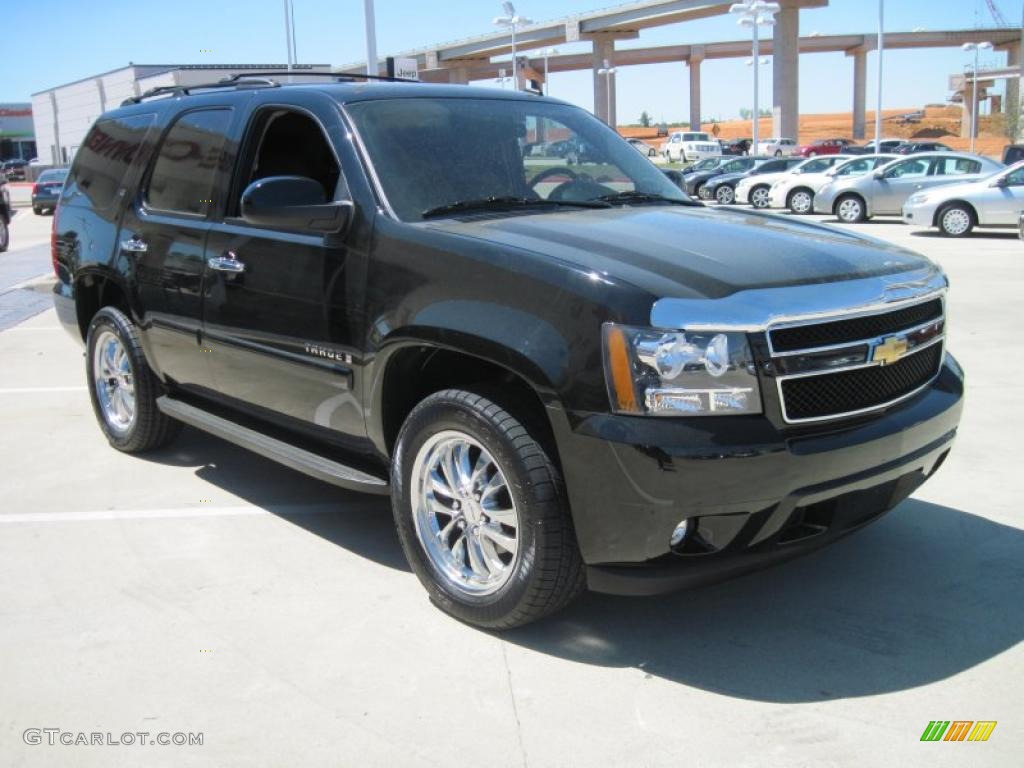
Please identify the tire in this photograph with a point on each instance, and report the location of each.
(37, 210)
(544, 573)
(114, 337)
(955, 220)
(725, 194)
(5, 234)
(849, 209)
(700, 191)
(759, 196)
(801, 201)
(778, 153)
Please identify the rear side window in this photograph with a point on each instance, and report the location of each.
(955, 166)
(103, 159)
(187, 162)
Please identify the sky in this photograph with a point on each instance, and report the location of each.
(64, 40)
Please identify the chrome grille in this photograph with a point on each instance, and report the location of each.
(847, 366)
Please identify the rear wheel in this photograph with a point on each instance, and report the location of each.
(702, 192)
(850, 209)
(759, 196)
(725, 194)
(481, 512)
(778, 153)
(801, 201)
(122, 387)
(956, 220)
(5, 235)
(37, 210)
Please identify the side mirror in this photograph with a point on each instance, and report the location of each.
(1002, 181)
(675, 177)
(293, 202)
(879, 174)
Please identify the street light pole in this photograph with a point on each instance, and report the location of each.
(755, 14)
(511, 20)
(288, 33)
(371, 38)
(545, 53)
(976, 48)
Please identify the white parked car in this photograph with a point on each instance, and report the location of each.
(796, 191)
(690, 146)
(756, 190)
(956, 209)
(776, 147)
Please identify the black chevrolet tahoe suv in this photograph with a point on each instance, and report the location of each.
(563, 377)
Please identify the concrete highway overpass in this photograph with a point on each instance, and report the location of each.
(483, 57)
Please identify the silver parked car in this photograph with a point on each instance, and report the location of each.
(883, 192)
(956, 209)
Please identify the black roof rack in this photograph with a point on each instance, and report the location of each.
(261, 80)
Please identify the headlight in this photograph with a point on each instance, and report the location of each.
(678, 373)
(915, 199)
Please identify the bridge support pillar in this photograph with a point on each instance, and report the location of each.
(786, 72)
(604, 85)
(860, 90)
(696, 57)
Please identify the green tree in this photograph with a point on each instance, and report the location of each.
(645, 119)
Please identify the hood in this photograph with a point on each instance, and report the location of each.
(690, 252)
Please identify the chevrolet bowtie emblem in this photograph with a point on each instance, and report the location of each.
(890, 350)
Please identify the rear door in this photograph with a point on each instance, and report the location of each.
(281, 306)
(163, 236)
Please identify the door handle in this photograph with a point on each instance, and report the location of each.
(134, 245)
(226, 263)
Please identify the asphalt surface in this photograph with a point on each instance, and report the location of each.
(203, 589)
(22, 294)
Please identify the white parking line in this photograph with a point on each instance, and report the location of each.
(32, 390)
(152, 514)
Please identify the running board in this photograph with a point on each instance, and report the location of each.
(299, 459)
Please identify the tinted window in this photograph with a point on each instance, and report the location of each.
(908, 169)
(187, 162)
(955, 166)
(54, 174)
(1015, 178)
(855, 167)
(104, 158)
(773, 166)
(818, 165)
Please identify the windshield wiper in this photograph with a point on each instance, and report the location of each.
(497, 203)
(632, 196)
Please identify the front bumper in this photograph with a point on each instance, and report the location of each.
(755, 495)
(918, 215)
(693, 155)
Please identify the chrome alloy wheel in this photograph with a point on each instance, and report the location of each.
(801, 202)
(849, 210)
(114, 381)
(759, 197)
(956, 221)
(725, 194)
(464, 513)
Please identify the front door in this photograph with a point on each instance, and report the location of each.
(163, 238)
(899, 182)
(280, 305)
(1000, 206)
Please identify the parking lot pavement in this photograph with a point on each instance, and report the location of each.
(204, 589)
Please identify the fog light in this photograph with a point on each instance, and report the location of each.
(679, 534)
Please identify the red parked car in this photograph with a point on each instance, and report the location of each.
(823, 147)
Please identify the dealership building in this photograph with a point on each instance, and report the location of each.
(17, 140)
(63, 114)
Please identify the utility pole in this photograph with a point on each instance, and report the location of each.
(288, 34)
(371, 39)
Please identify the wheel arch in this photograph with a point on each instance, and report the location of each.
(95, 288)
(850, 193)
(939, 209)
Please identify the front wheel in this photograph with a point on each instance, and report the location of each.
(956, 220)
(759, 196)
(778, 153)
(801, 201)
(5, 235)
(122, 387)
(850, 209)
(481, 512)
(725, 194)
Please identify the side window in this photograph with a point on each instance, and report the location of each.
(103, 159)
(908, 169)
(857, 167)
(1016, 178)
(286, 143)
(955, 166)
(187, 162)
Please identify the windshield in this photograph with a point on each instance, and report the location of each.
(696, 137)
(435, 152)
